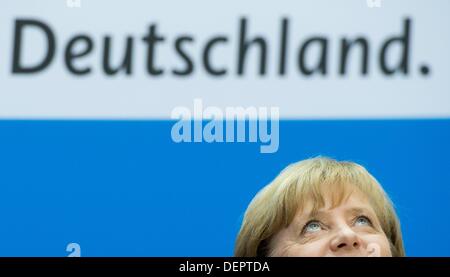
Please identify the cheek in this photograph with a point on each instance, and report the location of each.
(382, 242)
(317, 248)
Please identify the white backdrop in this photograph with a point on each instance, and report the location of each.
(56, 93)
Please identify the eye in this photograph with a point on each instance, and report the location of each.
(312, 227)
(362, 221)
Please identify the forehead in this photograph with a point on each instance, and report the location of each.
(351, 201)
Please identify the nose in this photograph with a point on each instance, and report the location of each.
(345, 240)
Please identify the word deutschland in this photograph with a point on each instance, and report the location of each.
(247, 52)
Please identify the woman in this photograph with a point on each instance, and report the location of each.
(321, 207)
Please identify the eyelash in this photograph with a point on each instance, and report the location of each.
(365, 217)
(309, 222)
(322, 225)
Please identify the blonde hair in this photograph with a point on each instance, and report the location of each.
(275, 206)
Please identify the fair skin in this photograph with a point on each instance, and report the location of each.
(350, 229)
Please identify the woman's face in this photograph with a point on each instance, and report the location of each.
(351, 229)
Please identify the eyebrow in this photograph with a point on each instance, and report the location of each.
(353, 211)
(317, 214)
(358, 211)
